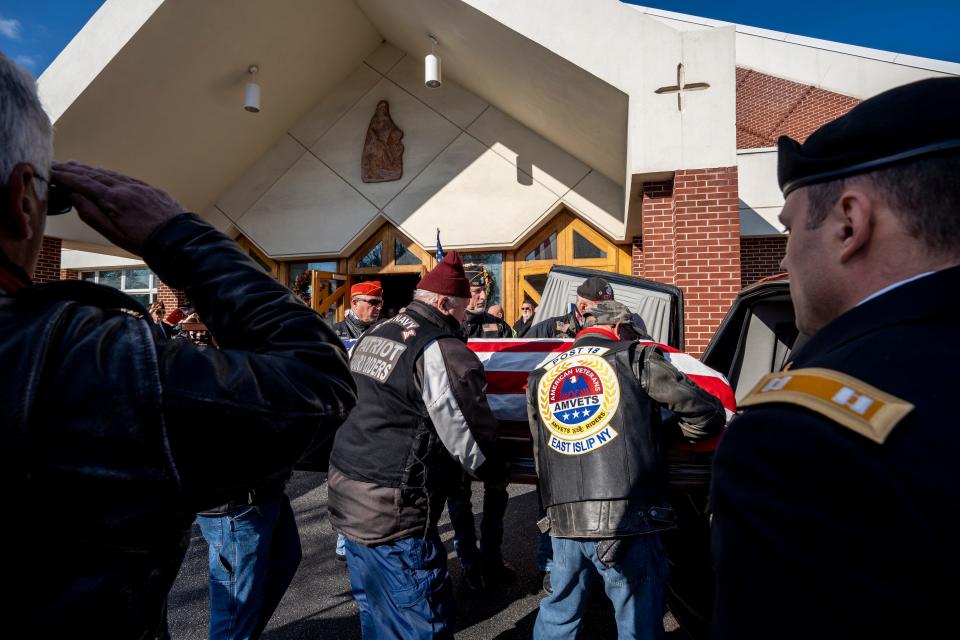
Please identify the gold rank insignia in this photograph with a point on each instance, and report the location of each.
(853, 403)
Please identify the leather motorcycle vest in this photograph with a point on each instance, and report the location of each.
(597, 428)
(389, 402)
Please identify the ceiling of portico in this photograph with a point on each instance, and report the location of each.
(166, 106)
(583, 115)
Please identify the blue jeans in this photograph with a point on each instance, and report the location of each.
(402, 588)
(254, 553)
(544, 545)
(464, 527)
(636, 585)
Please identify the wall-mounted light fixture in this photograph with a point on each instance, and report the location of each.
(251, 100)
(431, 65)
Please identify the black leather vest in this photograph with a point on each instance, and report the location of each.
(390, 409)
(597, 428)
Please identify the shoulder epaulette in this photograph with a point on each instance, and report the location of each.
(844, 399)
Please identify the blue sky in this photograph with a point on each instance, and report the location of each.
(34, 31)
(927, 28)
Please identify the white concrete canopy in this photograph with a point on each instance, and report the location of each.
(153, 88)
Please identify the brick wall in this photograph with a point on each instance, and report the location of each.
(656, 254)
(760, 257)
(48, 264)
(691, 238)
(69, 274)
(768, 107)
(171, 298)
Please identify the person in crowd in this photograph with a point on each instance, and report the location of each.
(108, 428)
(366, 299)
(483, 562)
(836, 494)
(421, 406)
(477, 322)
(253, 550)
(525, 322)
(496, 311)
(595, 418)
(157, 311)
(593, 290)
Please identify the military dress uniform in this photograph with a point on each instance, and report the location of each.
(836, 494)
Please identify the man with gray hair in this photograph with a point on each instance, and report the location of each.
(422, 419)
(113, 437)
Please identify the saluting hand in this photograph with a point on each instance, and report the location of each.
(125, 210)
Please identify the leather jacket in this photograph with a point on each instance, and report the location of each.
(114, 437)
(611, 484)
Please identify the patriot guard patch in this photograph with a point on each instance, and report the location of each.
(376, 357)
(578, 396)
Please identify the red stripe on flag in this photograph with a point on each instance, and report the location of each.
(716, 387)
(507, 382)
(520, 345)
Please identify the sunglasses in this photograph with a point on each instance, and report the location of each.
(373, 301)
(58, 198)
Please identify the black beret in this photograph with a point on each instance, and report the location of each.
(917, 119)
(595, 289)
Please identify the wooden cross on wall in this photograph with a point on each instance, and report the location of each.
(680, 87)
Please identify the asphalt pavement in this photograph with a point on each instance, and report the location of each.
(318, 604)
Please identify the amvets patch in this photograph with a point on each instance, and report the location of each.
(578, 396)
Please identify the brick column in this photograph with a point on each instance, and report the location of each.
(170, 297)
(69, 274)
(48, 264)
(691, 238)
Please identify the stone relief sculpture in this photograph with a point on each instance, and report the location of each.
(382, 159)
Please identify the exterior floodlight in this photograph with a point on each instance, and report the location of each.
(431, 66)
(251, 100)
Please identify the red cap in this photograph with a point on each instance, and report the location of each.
(447, 278)
(175, 316)
(371, 288)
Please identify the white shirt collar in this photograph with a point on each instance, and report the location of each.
(877, 294)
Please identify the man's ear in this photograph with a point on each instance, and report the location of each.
(857, 210)
(21, 204)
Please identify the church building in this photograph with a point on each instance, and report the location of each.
(588, 133)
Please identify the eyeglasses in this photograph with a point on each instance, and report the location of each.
(526, 308)
(376, 302)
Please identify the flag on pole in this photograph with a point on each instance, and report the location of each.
(440, 253)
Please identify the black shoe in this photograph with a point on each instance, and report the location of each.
(498, 573)
(547, 587)
(473, 578)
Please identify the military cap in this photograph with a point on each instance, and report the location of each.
(608, 312)
(475, 274)
(595, 289)
(907, 122)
